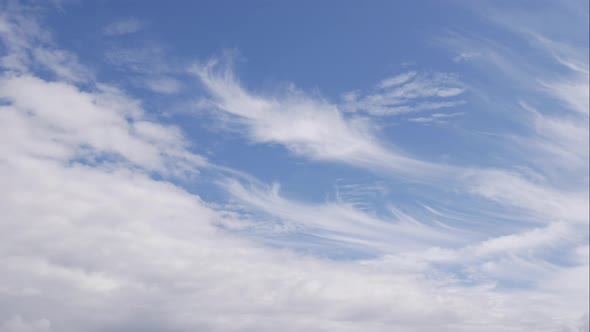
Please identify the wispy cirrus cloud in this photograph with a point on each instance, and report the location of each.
(406, 93)
(123, 27)
(341, 223)
(147, 66)
(164, 85)
(307, 126)
(551, 107)
(318, 130)
(29, 48)
(436, 117)
(106, 124)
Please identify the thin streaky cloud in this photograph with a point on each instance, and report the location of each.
(163, 85)
(123, 27)
(407, 93)
(436, 117)
(309, 127)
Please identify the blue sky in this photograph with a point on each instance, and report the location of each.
(320, 166)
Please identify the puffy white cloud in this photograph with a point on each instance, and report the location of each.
(318, 130)
(74, 122)
(89, 249)
(163, 85)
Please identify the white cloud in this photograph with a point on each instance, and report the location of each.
(309, 127)
(63, 64)
(466, 56)
(164, 85)
(123, 27)
(436, 117)
(318, 130)
(148, 59)
(91, 242)
(554, 145)
(540, 199)
(407, 92)
(574, 58)
(559, 144)
(343, 225)
(76, 123)
(29, 47)
(527, 241)
(105, 238)
(397, 80)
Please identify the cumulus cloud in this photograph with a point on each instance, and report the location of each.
(342, 224)
(544, 202)
(553, 144)
(102, 236)
(105, 124)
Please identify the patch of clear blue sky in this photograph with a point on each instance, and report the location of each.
(334, 45)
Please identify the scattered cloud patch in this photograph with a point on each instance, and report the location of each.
(28, 47)
(436, 117)
(307, 126)
(466, 56)
(163, 85)
(406, 93)
(123, 27)
(145, 60)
